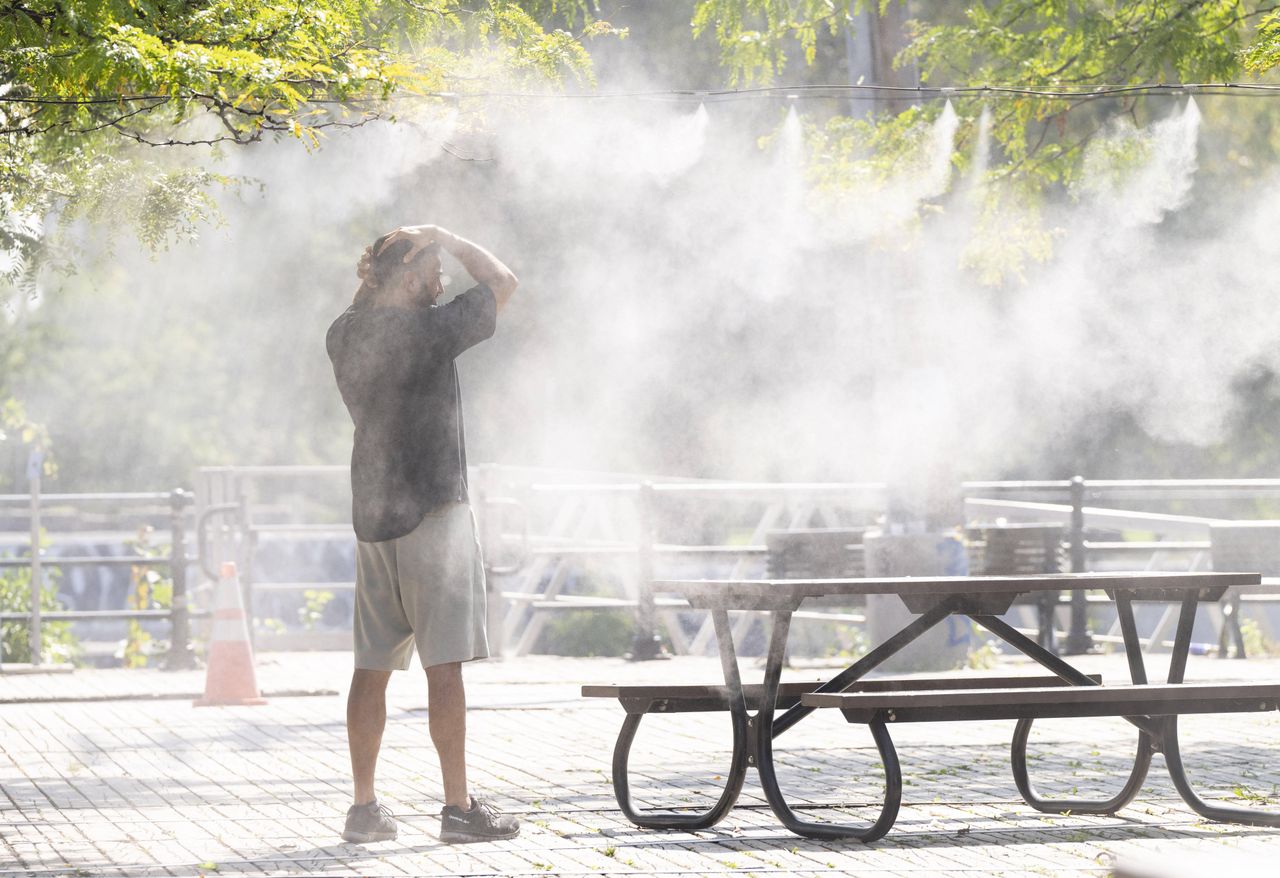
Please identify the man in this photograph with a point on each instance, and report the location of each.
(419, 577)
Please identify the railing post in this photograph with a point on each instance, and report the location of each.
(35, 638)
(181, 657)
(1078, 639)
(244, 560)
(488, 552)
(646, 645)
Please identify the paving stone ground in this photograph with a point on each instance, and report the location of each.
(114, 773)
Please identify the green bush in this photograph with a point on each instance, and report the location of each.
(57, 643)
(312, 610)
(150, 591)
(587, 633)
(1256, 642)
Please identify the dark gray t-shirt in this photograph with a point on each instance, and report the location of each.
(396, 373)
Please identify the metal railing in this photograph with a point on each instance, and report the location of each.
(620, 521)
(616, 520)
(540, 527)
(571, 534)
(233, 515)
(179, 614)
(1087, 508)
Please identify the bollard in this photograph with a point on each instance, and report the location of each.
(1078, 639)
(646, 645)
(181, 656)
(35, 637)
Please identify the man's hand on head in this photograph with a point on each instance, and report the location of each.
(483, 266)
(362, 267)
(419, 237)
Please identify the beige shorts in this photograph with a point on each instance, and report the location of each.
(425, 587)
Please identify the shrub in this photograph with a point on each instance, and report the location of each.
(57, 643)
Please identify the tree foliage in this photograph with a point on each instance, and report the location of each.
(1052, 45)
(1078, 45)
(134, 66)
(1073, 40)
(81, 81)
(1264, 54)
(116, 111)
(755, 35)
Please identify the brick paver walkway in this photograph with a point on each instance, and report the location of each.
(119, 786)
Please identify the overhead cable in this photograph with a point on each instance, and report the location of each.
(774, 92)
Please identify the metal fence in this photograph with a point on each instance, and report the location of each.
(39, 505)
(1137, 524)
(541, 529)
(637, 531)
(239, 508)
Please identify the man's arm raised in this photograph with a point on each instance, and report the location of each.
(482, 265)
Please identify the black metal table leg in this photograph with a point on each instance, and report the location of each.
(768, 775)
(1147, 737)
(670, 820)
(811, 829)
(1172, 748)
(1132, 643)
(866, 664)
(1178, 773)
(879, 732)
(1018, 759)
(767, 727)
(1182, 639)
(1072, 675)
(1031, 649)
(738, 763)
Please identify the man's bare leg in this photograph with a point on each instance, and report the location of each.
(447, 718)
(366, 718)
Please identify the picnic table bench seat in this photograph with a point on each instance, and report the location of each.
(877, 703)
(1154, 708)
(638, 700)
(691, 698)
(994, 702)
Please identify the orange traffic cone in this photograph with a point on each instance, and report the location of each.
(230, 679)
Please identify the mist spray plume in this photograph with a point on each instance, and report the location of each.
(689, 307)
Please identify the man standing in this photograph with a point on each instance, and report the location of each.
(419, 577)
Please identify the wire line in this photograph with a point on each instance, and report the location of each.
(792, 92)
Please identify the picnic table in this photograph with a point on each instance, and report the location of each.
(1153, 708)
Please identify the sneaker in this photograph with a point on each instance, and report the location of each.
(482, 823)
(371, 822)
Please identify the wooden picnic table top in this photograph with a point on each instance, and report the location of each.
(783, 594)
